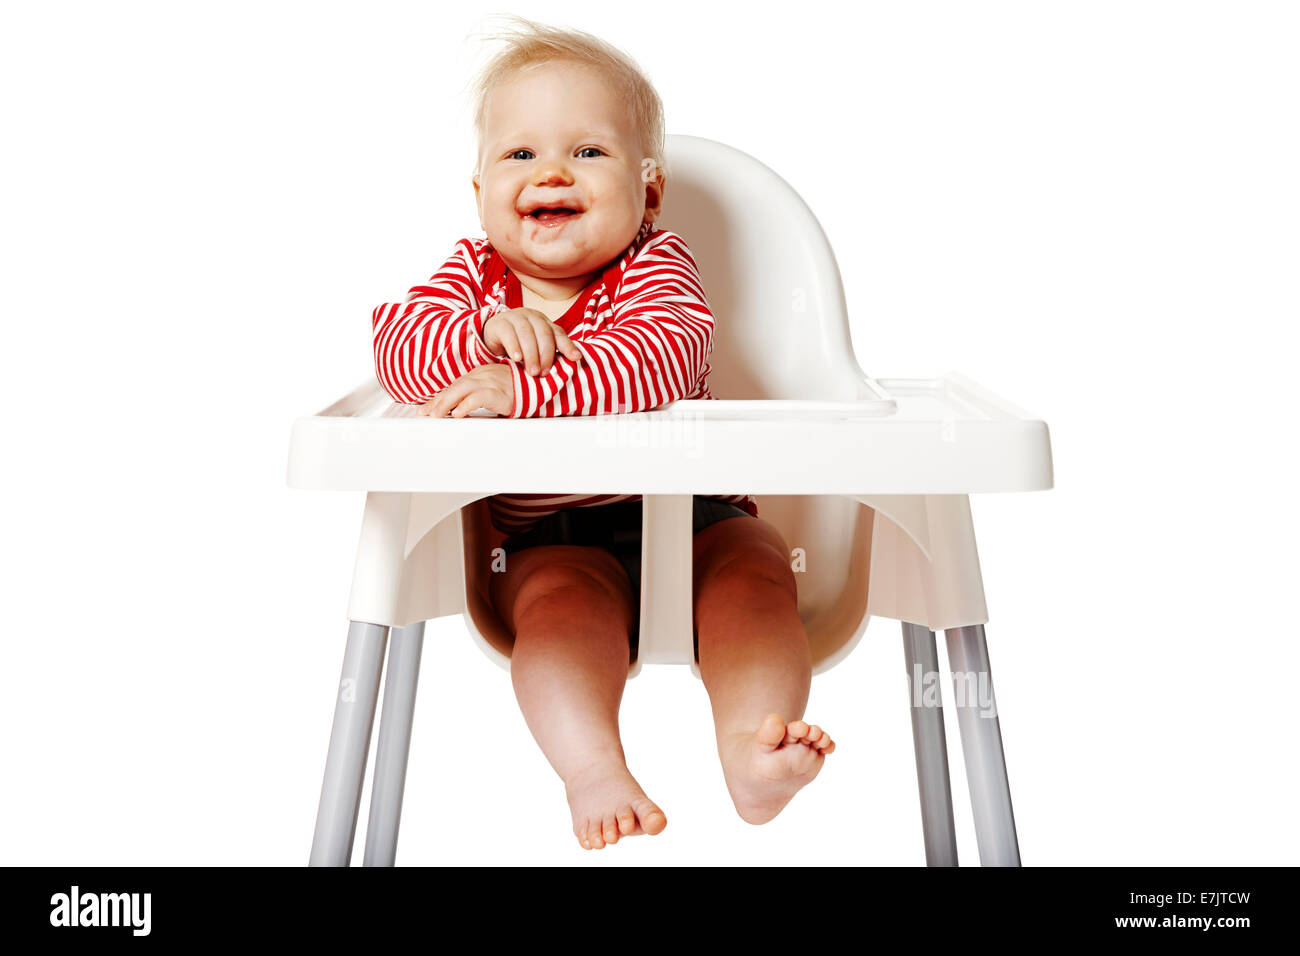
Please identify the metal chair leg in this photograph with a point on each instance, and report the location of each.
(345, 766)
(981, 742)
(389, 783)
(925, 686)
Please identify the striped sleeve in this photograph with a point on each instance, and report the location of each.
(653, 349)
(424, 344)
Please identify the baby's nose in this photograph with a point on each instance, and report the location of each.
(553, 174)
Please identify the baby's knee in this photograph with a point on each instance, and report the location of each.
(589, 586)
(756, 567)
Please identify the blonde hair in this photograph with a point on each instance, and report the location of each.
(536, 43)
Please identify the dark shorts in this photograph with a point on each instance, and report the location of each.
(617, 529)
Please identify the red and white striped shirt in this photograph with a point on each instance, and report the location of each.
(643, 325)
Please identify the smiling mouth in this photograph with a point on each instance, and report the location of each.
(554, 217)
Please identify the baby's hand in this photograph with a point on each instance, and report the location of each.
(528, 336)
(487, 386)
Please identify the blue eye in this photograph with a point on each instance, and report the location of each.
(516, 153)
(586, 148)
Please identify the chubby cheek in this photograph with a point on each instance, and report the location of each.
(611, 208)
(625, 206)
(503, 224)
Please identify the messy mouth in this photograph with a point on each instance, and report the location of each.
(552, 215)
(554, 218)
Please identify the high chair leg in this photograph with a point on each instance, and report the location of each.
(345, 766)
(931, 744)
(981, 743)
(404, 646)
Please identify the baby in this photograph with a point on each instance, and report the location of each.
(576, 304)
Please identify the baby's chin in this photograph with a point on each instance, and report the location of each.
(562, 259)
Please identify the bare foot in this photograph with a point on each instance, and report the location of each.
(607, 803)
(765, 769)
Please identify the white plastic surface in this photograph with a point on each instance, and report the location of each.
(922, 436)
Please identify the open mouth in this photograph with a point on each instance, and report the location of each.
(553, 215)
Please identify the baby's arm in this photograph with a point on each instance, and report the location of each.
(653, 351)
(436, 335)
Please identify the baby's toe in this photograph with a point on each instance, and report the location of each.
(796, 730)
(771, 732)
(626, 820)
(610, 829)
(652, 818)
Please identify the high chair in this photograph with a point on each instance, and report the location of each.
(867, 479)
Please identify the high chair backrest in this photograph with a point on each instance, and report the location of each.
(781, 332)
(769, 275)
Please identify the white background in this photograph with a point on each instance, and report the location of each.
(1089, 208)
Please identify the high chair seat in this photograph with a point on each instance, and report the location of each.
(867, 479)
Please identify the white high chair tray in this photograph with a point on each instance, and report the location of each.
(915, 436)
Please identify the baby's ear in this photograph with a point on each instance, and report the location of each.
(655, 184)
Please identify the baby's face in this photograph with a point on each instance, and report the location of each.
(556, 136)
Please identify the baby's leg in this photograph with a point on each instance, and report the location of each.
(754, 659)
(570, 608)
